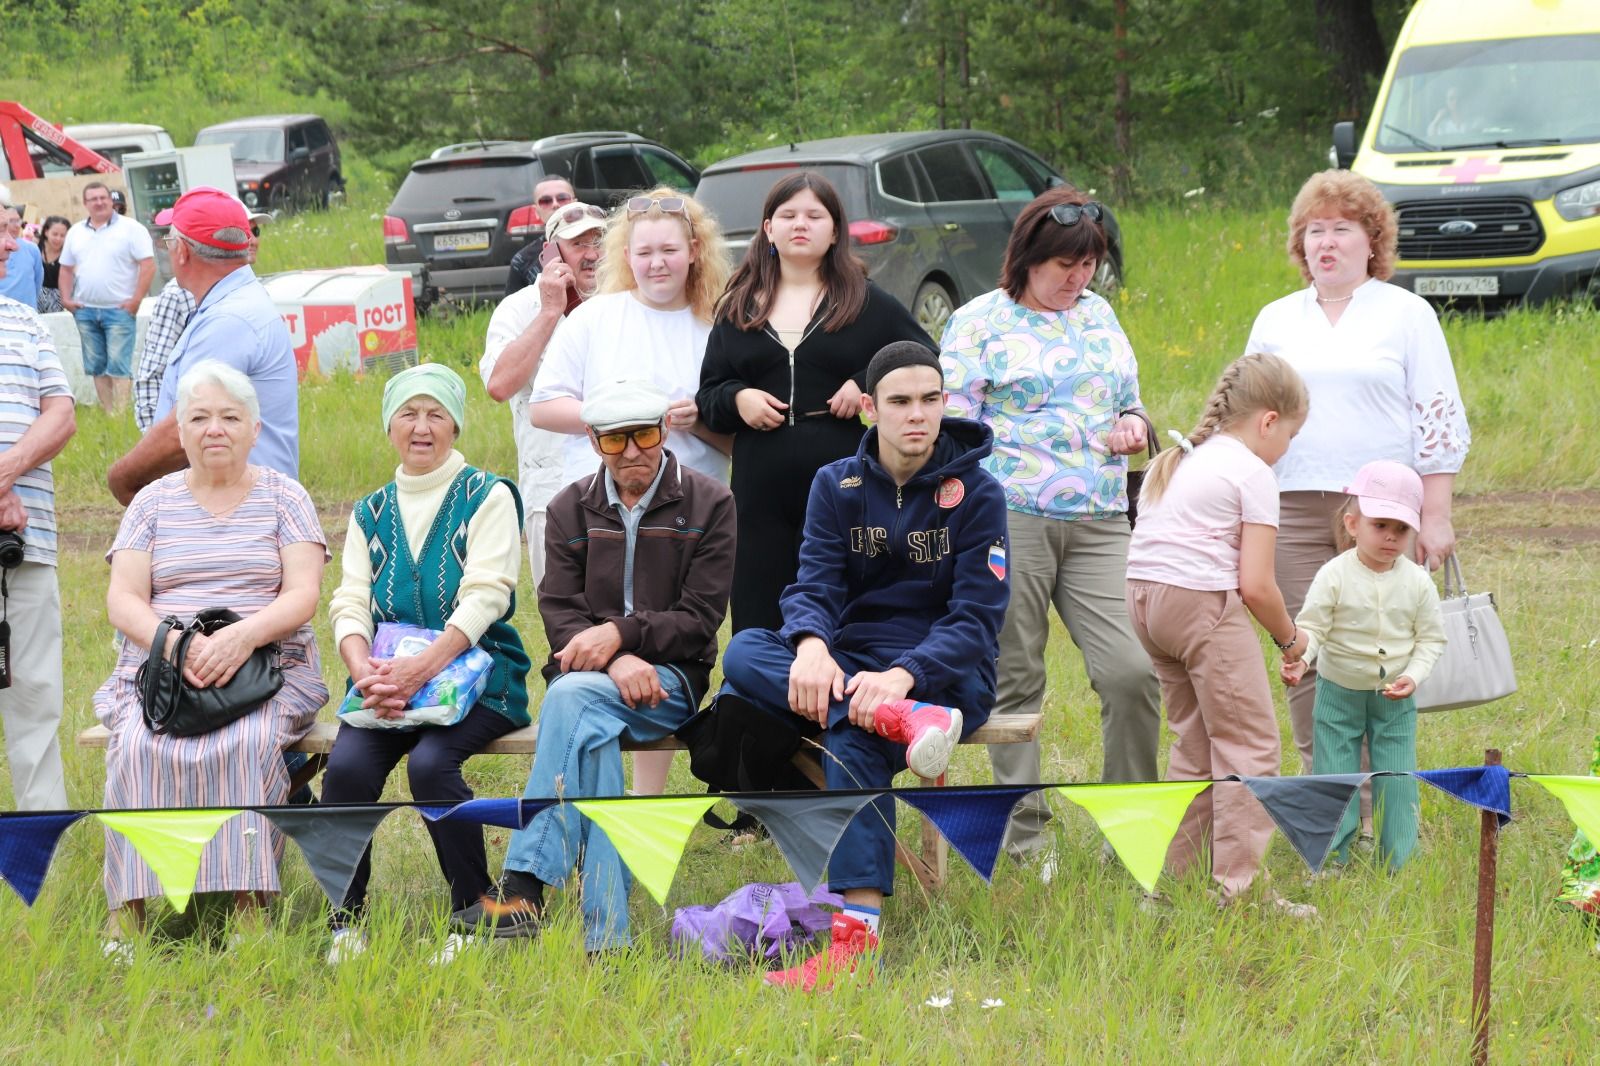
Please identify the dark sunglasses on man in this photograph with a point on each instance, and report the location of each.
(1069, 214)
(615, 442)
(553, 199)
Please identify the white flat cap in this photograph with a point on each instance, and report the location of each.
(624, 403)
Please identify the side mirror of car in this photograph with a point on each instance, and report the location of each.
(1343, 152)
(299, 155)
(1055, 181)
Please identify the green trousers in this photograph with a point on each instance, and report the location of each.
(1342, 717)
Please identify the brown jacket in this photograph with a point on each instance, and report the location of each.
(682, 571)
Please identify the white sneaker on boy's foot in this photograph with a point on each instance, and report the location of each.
(453, 946)
(349, 943)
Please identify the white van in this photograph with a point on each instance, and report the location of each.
(116, 139)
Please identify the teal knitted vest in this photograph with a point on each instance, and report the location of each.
(424, 591)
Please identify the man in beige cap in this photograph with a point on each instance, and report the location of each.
(639, 563)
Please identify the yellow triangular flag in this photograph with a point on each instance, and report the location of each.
(1139, 820)
(1579, 795)
(649, 834)
(171, 842)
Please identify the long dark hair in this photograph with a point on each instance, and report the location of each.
(44, 228)
(754, 286)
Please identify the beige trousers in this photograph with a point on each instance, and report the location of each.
(1081, 568)
(1219, 708)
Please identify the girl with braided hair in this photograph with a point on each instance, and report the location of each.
(1199, 566)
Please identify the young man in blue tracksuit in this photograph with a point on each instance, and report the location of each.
(892, 628)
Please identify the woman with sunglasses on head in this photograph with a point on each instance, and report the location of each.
(662, 268)
(1044, 363)
(784, 372)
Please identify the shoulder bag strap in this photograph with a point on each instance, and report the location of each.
(1455, 586)
(1152, 445)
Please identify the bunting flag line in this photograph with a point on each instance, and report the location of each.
(649, 837)
(27, 843)
(1308, 809)
(332, 839)
(1579, 795)
(170, 842)
(1139, 820)
(805, 828)
(973, 822)
(1485, 787)
(505, 813)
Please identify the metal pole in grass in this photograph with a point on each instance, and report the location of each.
(1483, 946)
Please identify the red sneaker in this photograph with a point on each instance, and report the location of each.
(929, 732)
(852, 943)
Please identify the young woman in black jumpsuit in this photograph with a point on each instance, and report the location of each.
(783, 372)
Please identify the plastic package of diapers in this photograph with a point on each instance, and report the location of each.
(444, 700)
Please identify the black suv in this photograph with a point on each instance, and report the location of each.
(930, 212)
(281, 162)
(459, 218)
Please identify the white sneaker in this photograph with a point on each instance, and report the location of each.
(349, 943)
(1049, 866)
(119, 952)
(1289, 908)
(454, 945)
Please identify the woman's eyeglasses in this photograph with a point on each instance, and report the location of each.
(615, 443)
(669, 205)
(551, 200)
(1069, 214)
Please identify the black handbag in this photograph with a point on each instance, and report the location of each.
(734, 747)
(172, 706)
(1136, 477)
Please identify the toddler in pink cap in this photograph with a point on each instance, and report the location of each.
(1375, 631)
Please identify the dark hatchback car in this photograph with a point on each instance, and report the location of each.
(458, 219)
(930, 212)
(281, 162)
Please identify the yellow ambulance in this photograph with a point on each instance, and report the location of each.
(1486, 138)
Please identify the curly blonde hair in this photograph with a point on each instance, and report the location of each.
(708, 274)
(1348, 195)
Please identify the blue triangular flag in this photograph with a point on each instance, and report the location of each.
(972, 820)
(805, 828)
(332, 839)
(1485, 787)
(1307, 809)
(506, 813)
(27, 841)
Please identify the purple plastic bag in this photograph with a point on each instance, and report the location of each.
(758, 920)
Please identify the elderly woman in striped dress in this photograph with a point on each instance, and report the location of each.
(223, 533)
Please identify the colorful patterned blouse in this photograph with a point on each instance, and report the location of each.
(1051, 385)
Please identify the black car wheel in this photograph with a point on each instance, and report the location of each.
(332, 191)
(932, 307)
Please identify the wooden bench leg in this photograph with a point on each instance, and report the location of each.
(307, 772)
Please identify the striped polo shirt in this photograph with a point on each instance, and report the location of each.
(29, 372)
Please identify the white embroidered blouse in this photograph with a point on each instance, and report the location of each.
(1381, 382)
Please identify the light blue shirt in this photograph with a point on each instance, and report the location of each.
(24, 275)
(238, 324)
(631, 516)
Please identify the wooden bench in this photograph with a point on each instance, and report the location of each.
(928, 867)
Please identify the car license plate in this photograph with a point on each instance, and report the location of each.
(1458, 285)
(460, 242)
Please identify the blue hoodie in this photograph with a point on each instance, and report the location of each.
(913, 575)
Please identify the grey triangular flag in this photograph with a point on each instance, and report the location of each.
(805, 828)
(332, 839)
(1307, 809)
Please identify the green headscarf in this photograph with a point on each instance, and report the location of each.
(428, 379)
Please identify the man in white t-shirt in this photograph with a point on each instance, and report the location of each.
(106, 266)
(518, 333)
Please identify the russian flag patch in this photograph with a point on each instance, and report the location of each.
(997, 560)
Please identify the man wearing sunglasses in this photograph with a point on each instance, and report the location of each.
(519, 331)
(549, 195)
(639, 564)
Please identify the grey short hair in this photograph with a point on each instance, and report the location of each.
(231, 234)
(225, 377)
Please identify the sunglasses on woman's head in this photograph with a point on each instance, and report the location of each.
(616, 442)
(1069, 214)
(551, 200)
(669, 205)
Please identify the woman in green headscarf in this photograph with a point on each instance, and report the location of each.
(437, 547)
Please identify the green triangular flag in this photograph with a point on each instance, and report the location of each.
(1139, 820)
(171, 842)
(649, 834)
(1579, 795)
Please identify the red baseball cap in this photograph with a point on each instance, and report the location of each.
(202, 211)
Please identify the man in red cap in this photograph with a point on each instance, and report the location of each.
(235, 322)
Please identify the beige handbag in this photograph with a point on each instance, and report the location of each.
(1476, 665)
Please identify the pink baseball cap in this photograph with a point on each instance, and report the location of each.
(202, 211)
(1388, 489)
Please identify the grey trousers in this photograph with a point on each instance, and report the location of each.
(31, 708)
(1081, 568)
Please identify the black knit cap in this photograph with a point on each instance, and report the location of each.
(895, 355)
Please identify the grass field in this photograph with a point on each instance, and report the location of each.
(1081, 973)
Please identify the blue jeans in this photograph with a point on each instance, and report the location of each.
(756, 666)
(107, 335)
(582, 723)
